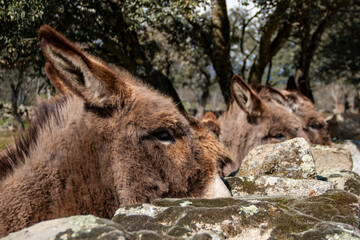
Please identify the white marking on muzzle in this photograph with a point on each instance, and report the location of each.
(217, 189)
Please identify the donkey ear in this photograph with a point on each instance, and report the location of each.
(247, 99)
(279, 97)
(303, 89)
(291, 84)
(90, 79)
(210, 121)
(55, 79)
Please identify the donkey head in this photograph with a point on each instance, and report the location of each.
(251, 121)
(210, 121)
(145, 144)
(314, 123)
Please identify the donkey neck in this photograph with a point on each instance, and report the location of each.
(56, 168)
(234, 130)
(49, 117)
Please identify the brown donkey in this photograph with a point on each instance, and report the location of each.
(315, 126)
(251, 121)
(111, 141)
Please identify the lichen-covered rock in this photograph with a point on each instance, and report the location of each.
(275, 186)
(344, 180)
(334, 205)
(332, 215)
(329, 231)
(291, 159)
(253, 217)
(75, 227)
(331, 158)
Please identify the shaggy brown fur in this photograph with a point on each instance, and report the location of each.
(250, 121)
(210, 121)
(315, 126)
(111, 142)
(55, 79)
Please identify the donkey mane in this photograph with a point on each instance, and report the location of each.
(16, 153)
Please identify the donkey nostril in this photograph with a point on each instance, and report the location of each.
(226, 166)
(227, 184)
(223, 161)
(233, 174)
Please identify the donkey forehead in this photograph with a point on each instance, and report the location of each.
(308, 113)
(148, 105)
(304, 108)
(280, 114)
(313, 116)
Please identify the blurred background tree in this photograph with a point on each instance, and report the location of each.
(19, 60)
(186, 44)
(338, 57)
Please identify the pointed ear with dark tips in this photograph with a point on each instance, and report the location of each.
(279, 97)
(303, 89)
(291, 84)
(55, 79)
(81, 73)
(256, 86)
(210, 122)
(246, 98)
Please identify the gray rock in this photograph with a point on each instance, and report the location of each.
(354, 151)
(330, 215)
(275, 186)
(331, 158)
(344, 180)
(291, 159)
(75, 227)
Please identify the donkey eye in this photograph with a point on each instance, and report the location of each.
(316, 126)
(279, 136)
(164, 136)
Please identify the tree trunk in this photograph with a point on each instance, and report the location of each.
(310, 40)
(269, 74)
(357, 100)
(215, 41)
(278, 24)
(15, 88)
(219, 54)
(203, 100)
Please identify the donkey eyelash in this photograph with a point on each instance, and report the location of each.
(164, 135)
(278, 136)
(316, 126)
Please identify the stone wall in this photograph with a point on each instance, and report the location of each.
(282, 191)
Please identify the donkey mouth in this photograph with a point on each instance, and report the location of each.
(227, 184)
(226, 166)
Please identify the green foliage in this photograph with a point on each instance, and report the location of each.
(149, 12)
(18, 36)
(165, 35)
(283, 64)
(339, 56)
(244, 39)
(19, 54)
